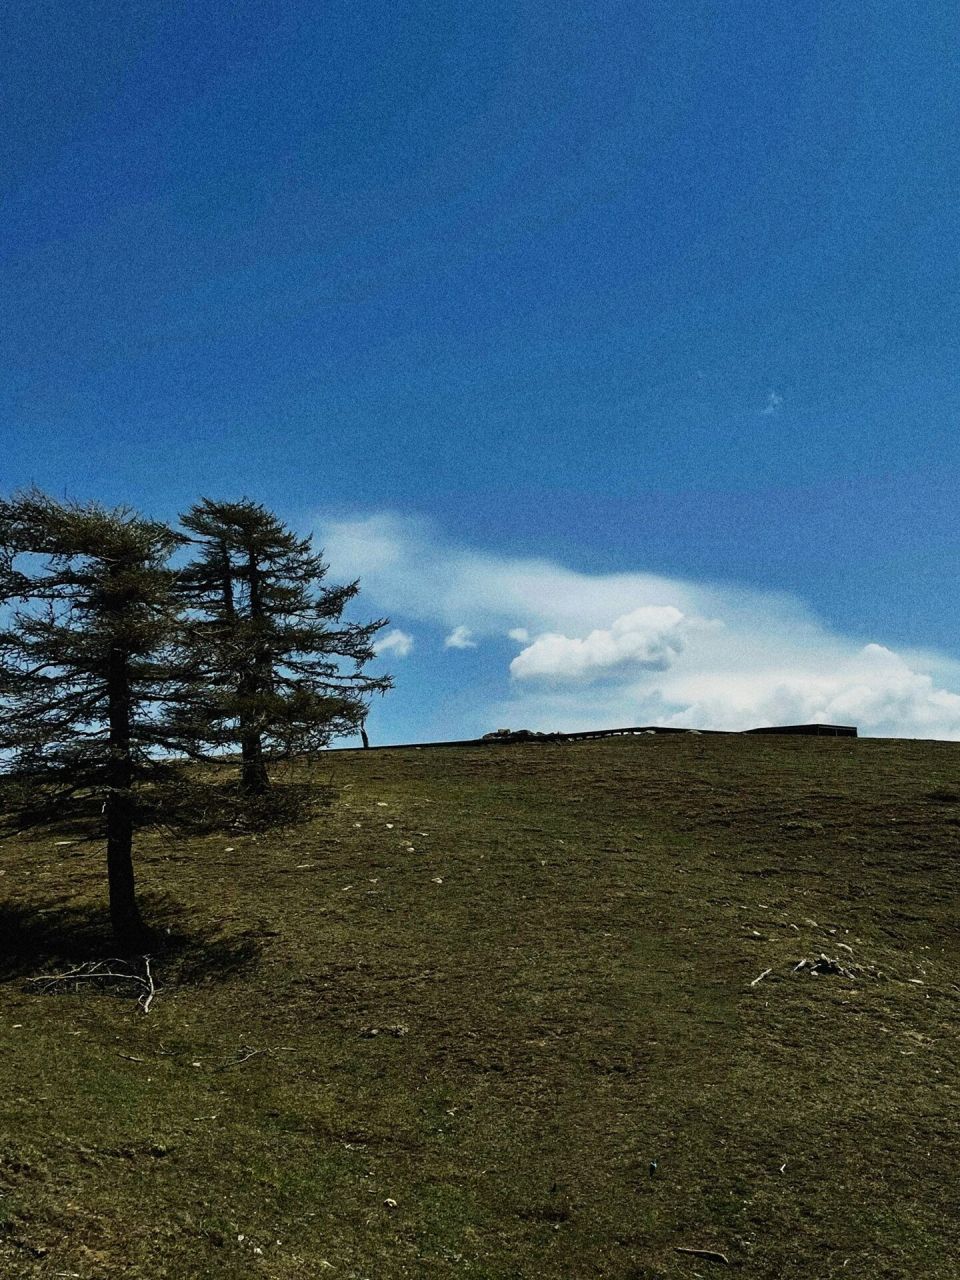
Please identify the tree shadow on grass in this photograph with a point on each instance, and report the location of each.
(197, 808)
(61, 937)
(178, 803)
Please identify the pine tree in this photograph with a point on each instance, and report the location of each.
(84, 664)
(283, 670)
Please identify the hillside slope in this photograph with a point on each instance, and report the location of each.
(446, 1028)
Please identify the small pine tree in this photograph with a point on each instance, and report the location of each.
(283, 672)
(84, 670)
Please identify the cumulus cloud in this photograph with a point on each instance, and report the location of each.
(649, 637)
(397, 642)
(871, 686)
(601, 650)
(460, 638)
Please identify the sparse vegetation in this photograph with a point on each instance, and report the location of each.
(494, 1013)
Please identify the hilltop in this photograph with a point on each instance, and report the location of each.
(492, 1012)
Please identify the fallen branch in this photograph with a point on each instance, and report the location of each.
(89, 970)
(95, 971)
(710, 1254)
(245, 1054)
(761, 977)
(147, 998)
(250, 1053)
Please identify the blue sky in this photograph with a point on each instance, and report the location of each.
(629, 291)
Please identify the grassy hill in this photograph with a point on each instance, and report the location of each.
(445, 1028)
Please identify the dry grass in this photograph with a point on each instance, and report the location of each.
(444, 1028)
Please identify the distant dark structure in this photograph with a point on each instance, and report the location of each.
(811, 730)
(511, 736)
(520, 735)
(533, 735)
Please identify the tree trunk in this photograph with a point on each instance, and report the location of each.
(128, 927)
(254, 779)
(226, 584)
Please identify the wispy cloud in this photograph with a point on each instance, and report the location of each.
(460, 638)
(772, 407)
(609, 649)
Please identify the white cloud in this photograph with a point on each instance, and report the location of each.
(397, 642)
(613, 649)
(408, 570)
(460, 638)
(650, 637)
(871, 686)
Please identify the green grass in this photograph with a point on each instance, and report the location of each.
(492, 986)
